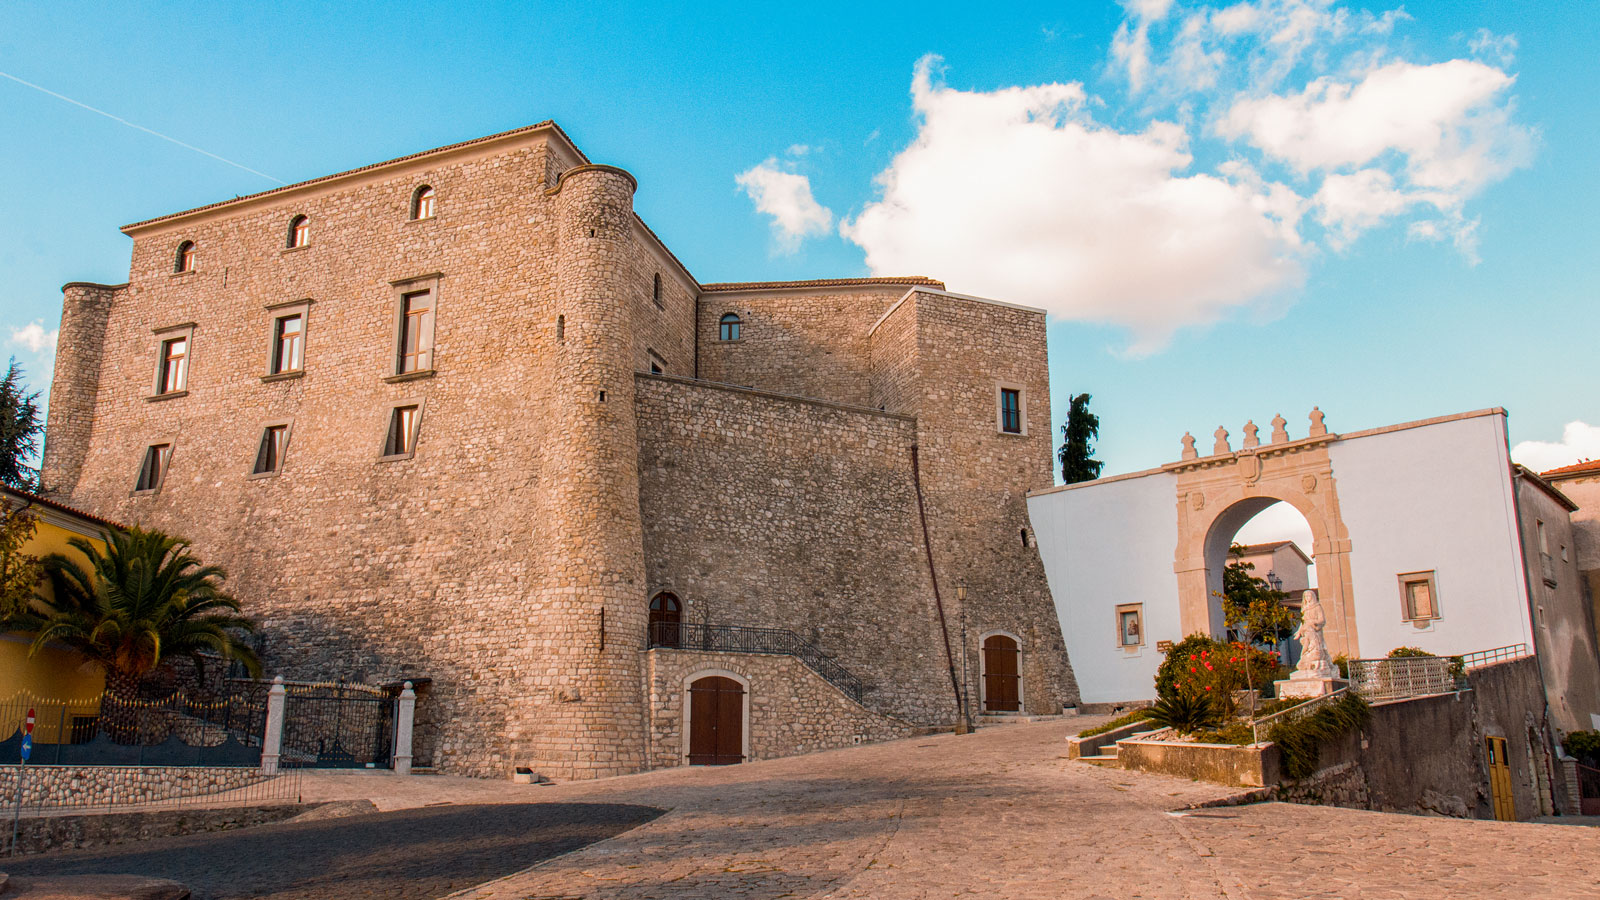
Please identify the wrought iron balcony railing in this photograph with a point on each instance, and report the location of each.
(741, 639)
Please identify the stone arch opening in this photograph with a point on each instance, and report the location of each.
(1275, 543)
(1000, 672)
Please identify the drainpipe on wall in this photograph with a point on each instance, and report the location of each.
(933, 576)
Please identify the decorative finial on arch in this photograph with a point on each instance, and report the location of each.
(1221, 446)
(1279, 434)
(1317, 428)
(1250, 439)
(1188, 447)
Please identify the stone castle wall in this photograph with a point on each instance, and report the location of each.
(766, 511)
(510, 558)
(809, 342)
(793, 710)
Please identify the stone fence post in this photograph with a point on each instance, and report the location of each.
(272, 741)
(402, 730)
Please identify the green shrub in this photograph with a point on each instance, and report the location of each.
(1234, 732)
(1185, 712)
(1202, 665)
(1458, 666)
(1342, 663)
(1137, 715)
(1583, 746)
(1300, 739)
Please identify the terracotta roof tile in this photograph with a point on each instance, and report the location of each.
(35, 499)
(1582, 468)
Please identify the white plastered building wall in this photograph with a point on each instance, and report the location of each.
(1435, 495)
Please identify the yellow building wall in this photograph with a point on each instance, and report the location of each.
(58, 683)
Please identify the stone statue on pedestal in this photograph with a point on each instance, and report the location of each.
(1315, 675)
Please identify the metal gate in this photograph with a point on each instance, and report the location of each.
(338, 726)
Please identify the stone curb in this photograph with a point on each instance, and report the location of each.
(1259, 795)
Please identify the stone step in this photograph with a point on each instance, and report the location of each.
(1101, 760)
(1015, 719)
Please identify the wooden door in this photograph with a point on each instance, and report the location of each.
(665, 615)
(1002, 686)
(1505, 808)
(716, 722)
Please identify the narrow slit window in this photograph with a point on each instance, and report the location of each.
(269, 457)
(174, 365)
(655, 292)
(1011, 411)
(153, 470)
(402, 438)
(299, 231)
(416, 332)
(729, 327)
(289, 343)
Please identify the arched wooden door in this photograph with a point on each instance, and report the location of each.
(1002, 685)
(665, 615)
(716, 721)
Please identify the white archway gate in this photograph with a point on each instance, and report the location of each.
(1217, 494)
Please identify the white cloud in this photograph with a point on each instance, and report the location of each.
(1502, 48)
(1018, 194)
(1579, 441)
(786, 197)
(35, 338)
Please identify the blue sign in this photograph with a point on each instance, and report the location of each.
(27, 747)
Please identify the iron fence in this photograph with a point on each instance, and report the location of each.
(1480, 658)
(1301, 709)
(742, 639)
(338, 726)
(176, 730)
(1407, 676)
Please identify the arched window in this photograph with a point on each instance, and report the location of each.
(666, 614)
(422, 203)
(299, 232)
(185, 258)
(729, 327)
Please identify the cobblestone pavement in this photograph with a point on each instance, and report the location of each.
(999, 814)
(414, 854)
(1004, 814)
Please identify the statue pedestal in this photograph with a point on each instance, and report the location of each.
(1307, 688)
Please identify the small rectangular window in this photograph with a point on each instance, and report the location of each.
(402, 435)
(288, 343)
(1011, 410)
(1419, 596)
(1130, 625)
(416, 332)
(153, 470)
(269, 456)
(174, 365)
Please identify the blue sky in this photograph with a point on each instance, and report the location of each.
(1231, 211)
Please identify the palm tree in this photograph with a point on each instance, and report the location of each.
(140, 603)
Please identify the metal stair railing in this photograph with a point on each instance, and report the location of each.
(743, 639)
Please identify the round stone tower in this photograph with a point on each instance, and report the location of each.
(590, 613)
(85, 309)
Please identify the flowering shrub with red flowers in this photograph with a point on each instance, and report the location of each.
(1203, 666)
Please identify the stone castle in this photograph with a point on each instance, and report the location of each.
(461, 418)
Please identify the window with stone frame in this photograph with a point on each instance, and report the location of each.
(422, 203)
(1130, 625)
(728, 327)
(184, 261)
(400, 437)
(174, 359)
(288, 343)
(1419, 597)
(299, 232)
(153, 468)
(269, 454)
(416, 315)
(1010, 415)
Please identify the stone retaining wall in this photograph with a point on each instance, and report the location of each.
(1216, 763)
(793, 710)
(55, 787)
(44, 834)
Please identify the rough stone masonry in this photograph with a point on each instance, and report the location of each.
(583, 435)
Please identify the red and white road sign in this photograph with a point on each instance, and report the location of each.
(28, 726)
